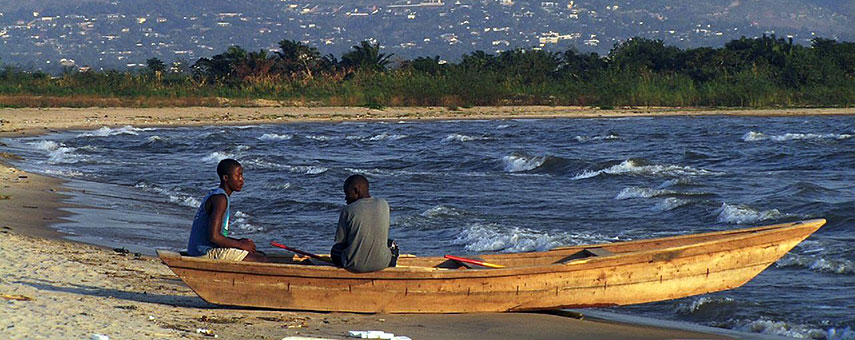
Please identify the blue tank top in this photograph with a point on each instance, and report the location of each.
(200, 240)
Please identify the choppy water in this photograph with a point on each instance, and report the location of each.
(467, 187)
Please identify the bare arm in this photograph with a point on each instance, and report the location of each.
(218, 206)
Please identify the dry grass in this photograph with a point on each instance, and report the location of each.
(95, 101)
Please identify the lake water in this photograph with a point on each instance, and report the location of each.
(468, 187)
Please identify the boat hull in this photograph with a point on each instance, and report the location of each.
(635, 272)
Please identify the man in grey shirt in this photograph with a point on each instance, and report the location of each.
(361, 239)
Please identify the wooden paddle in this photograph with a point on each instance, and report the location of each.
(301, 252)
(473, 261)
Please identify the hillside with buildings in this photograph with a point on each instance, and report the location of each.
(50, 35)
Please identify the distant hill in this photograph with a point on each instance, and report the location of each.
(48, 34)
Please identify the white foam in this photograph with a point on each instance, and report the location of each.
(58, 153)
(47, 145)
(456, 137)
(583, 139)
(752, 136)
(441, 211)
(675, 181)
(173, 196)
(699, 303)
(63, 173)
(185, 200)
(517, 163)
(671, 203)
(782, 328)
(273, 136)
(217, 156)
(155, 138)
(639, 192)
(632, 167)
(479, 237)
(318, 138)
(379, 137)
(818, 264)
(503, 126)
(386, 136)
(742, 214)
(107, 131)
(303, 169)
(240, 222)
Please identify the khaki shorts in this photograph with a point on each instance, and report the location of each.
(226, 254)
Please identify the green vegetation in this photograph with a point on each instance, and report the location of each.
(749, 72)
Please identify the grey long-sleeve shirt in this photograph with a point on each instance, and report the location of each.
(363, 227)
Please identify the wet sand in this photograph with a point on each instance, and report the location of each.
(53, 288)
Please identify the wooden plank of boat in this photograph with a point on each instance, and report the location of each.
(617, 274)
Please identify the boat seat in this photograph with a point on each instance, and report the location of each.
(586, 253)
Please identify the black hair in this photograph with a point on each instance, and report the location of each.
(354, 181)
(226, 167)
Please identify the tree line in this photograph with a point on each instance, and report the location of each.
(765, 71)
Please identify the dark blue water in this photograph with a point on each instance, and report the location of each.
(467, 187)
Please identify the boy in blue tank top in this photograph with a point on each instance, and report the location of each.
(209, 236)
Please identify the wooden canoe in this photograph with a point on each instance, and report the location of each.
(610, 274)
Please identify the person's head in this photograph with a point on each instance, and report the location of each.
(355, 187)
(231, 174)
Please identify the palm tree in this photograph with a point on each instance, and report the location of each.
(295, 55)
(366, 56)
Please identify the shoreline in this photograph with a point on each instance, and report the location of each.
(31, 248)
(16, 122)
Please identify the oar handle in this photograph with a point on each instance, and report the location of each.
(474, 261)
(298, 251)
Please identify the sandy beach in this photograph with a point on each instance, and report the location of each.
(53, 288)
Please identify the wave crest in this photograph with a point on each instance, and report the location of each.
(753, 136)
(483, 237)
(456, 137)
(782, 328)
(609, 137)
(58, 153)
(175, 196)
(705, 305)
(671, 203)
(742, 214)
(108, 131)
(217, 156)
(273, 137)
(817, 264)
(521, 163)
(641, 168)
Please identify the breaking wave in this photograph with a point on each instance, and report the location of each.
(520, 163)
(176, 196)
(706, 305)
(742, 214)
(273, 136)
(107, 131)
(483, 237)
(643, 168)
(817, 264)
(456, 137)
(58, 153)
(753, 136)
(583, 139)
(638, 192)
(442, 211)
(671, 203)
(782, 328)
(217, 156)
(240, 222)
